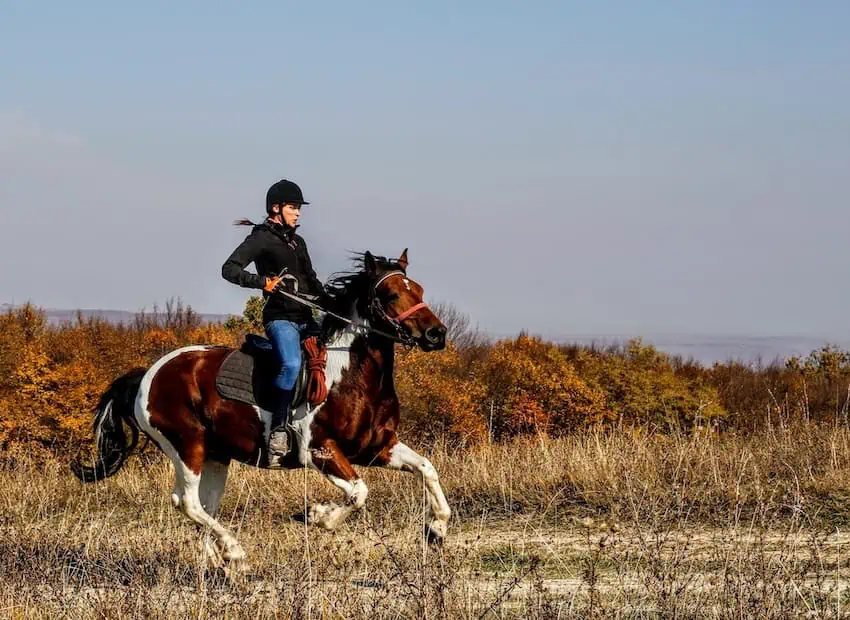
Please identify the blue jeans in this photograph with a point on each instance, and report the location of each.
(285, 337)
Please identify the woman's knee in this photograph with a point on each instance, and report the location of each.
(287, 345)
(289, 368)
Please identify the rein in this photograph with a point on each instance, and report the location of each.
(400, 336)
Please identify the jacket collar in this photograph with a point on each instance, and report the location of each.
(283, 231)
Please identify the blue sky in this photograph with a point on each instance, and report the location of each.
(564, 168)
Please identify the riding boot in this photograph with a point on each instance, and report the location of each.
(278, 436)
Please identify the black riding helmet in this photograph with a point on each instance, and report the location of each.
(282, 192)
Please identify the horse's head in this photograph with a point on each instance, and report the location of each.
(380, 292)
(396, 301)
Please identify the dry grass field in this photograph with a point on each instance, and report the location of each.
(616, 524)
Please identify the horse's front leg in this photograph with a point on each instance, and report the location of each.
(329, 459)
(403, 457)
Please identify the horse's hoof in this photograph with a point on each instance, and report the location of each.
(237, 569)
(435, 532)
(234, 554)
(322, 515)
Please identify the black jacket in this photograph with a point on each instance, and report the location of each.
(272, 247)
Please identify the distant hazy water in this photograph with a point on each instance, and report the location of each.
(710, 349)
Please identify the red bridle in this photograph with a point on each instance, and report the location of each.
(407, 312)
(411, 310)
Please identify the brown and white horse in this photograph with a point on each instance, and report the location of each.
(175, 402)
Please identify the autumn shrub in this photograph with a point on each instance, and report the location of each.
(17, 328)
(815, 387)
(642, 386)
(53, 375)
(476, 390)
(440, 396)
(533, 388)
(820, 383)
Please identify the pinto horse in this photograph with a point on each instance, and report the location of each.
(176, 404)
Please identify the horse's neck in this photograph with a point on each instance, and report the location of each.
(371, 354)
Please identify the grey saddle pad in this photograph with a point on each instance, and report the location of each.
(248, 379)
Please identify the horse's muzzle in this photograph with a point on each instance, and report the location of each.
(435, 338)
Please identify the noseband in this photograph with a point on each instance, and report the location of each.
(394, 321)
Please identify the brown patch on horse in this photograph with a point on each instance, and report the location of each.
(185, 407)
(361, 413)
(234, 427)
(173, 413)
(329, 459)
(383, 457)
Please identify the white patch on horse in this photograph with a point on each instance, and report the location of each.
(405, 458)
(188, 486)
(330, 515)
(339, 354)
(142, 414)
(338, 361)
(213, 481)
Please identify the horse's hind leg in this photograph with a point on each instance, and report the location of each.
(213, 480)
(401, 456)
(191, 505)
(177, 429)
(329, 459)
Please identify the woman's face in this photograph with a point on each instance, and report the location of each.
(291, 213)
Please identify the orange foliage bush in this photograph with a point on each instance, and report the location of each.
(643, 387)
(534, 388)
(51, 376)
(439, 397)
(515, 387)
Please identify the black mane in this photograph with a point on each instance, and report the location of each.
(346, 289)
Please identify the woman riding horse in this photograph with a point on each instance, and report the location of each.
(283, 263)
(176, 403)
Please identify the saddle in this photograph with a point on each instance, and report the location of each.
(246, 374)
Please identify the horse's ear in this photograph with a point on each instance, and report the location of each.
(402, 260)
(369, 263)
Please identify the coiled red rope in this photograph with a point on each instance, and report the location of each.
(317, 360)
